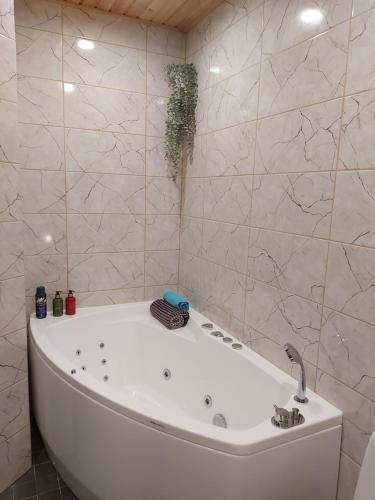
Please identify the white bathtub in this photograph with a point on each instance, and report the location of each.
(120, 430)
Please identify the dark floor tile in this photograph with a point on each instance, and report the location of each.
(26, 478)
(37, 443)
(45, 469)
(51, 495)
(66, 494)
(24, 490)
(40, 457)
(45, 484)
(41, 482)
(6, 495)
(61, 482)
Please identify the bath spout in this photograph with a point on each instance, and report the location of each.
(296, 358)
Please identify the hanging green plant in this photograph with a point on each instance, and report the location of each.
(180, 123)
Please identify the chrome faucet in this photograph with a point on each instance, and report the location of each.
(296, 358)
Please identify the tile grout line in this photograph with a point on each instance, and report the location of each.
(104, 42)
(334, 193)
(279, 231)
(64, 157)
(145, 173)
(304, 40)
(253, 170)
(207, 133)
(309, 300)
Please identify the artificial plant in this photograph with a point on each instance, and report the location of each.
(180, 123)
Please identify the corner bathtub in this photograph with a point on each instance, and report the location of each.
(121, 405)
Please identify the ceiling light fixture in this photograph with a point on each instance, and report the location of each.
(311, 16)
(85, 44)
(215, 69)
(68, 87)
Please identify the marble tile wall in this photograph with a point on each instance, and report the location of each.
(15, 453)
(278, 210)
(101, 216)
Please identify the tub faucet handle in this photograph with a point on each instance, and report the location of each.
(281, 416)
(286, 419)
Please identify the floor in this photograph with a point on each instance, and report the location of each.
(41, 482)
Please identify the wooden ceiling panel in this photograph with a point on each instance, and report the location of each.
(179, 14)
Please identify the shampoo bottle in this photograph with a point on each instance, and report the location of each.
(58, 304)
(41, 302)
(70, 304)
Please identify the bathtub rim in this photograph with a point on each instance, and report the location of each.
(235, 442)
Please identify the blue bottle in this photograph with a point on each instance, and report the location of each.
(41, 302)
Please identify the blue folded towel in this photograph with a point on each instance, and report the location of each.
(176, 300)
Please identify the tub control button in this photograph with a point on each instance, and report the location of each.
(237, 346)
(207, 401)
(216, 333)
(73, 371)
(78, 352)
(227, 340)
(101, 345)
(105, 378)
(208, 326)
(104, 361)
(167, 373)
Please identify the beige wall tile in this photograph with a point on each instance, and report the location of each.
(346, 351)
(308, 73)
(359, 414)
(105, 193)
(161, 268)
(358, 127)
(162, 232)
(285, 27)
(353, 220)
(231, 151)
(41, 147)
(7, 19)
(350, 281)
(164, 41)
(226, 244)
(47, 270)
(15, 454)
(39, 53)
(10, 193)
(106, 271)
(294, 203)
(299, 141)
(293, 263)
(97, 233)
(40, 101)
(104, 65)
(228, 199)
(104, 109)
(284, 317)
(39, 14)
(44, 234)
(104, 152)
(12, 305)
(348, 477)
(361, 67)
(101, 26)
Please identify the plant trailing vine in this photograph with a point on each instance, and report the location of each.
(180, 123)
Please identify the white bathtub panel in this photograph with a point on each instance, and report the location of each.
(116, 458)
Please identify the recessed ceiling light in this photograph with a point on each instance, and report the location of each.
(85, 44)
(215, 70)
(311, 16)
(48, 238)
(68, 87)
